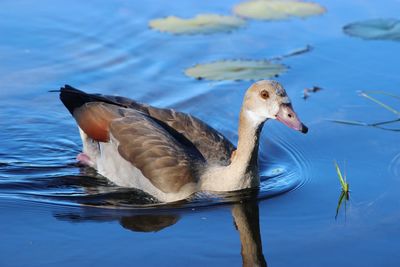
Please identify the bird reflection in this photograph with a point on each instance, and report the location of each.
(247, 221)
(135, 222)
(245, 215)
(148, 223)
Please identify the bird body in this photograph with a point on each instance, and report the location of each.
(169, 154)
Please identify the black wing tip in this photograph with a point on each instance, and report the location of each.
(73, 98)
(71, 89)
(64, 88)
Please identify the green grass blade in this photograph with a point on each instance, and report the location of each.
(339, 173)
(381, 93)
(387, 107)
(342, 196)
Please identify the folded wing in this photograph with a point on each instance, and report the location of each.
(212, 145)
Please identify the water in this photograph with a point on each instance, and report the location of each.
(54, 212)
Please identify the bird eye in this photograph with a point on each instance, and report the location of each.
(264, 94)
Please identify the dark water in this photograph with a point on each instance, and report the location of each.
(54, 213)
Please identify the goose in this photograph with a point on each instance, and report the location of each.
(170, 154)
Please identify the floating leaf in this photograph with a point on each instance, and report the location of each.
(203, 23)
(276, 9)
(236, 70)
(375, 29)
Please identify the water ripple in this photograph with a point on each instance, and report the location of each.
(394, 166)
(71, 185)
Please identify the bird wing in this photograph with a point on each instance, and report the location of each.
(214, 147)
(164, 157)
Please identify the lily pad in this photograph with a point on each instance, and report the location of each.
(375, 29)
(277, 9)
(201, 24)
(236, 70)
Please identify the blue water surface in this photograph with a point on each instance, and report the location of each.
(56, 213)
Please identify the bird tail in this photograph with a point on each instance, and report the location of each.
(73, 98)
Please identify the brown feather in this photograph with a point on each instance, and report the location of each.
(214, 147)
(167, 146)
(94, 119)
(160, 157)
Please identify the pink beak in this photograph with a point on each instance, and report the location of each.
(287, 116)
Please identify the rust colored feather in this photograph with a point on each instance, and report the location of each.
(94, 119)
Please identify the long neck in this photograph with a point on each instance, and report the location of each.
(246, 156)
(243, 170)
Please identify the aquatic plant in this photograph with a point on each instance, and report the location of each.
(236, 70)
(200, 24)
(374, 29)
(342, 179)
(277, 9)
(345, 189)
(380, 125)
(240, 69)
(343, 196)
(385, 106)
